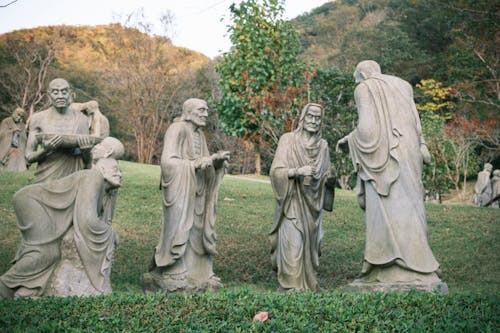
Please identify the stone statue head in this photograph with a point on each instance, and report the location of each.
(366, 69)
(496, 173)
(195, 111)
(311, 119)
(92, 107)
(111, 172)
(59, 93)
(19, 115)
(108, 148)
(488, 167)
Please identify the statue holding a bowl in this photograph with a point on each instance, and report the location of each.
(59, 140)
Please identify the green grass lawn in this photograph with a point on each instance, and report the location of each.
(464, 239)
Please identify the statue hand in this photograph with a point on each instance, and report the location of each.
(53, 143)
(84, 142)
(425, 154)
(203, 163)
(341, 145)
(222, 155)
(306, 171)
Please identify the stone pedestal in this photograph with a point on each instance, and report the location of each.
(69, 277)
(395, 278)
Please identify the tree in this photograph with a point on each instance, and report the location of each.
(26, 64)
(334, 89)
(144, 74)
(262, 82)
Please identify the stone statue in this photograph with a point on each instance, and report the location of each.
(98, 123)
(13, 142)
(495, 187)
(301, 180)
(58, 137)
(388, 151)
(67, 241)
(482, 189)
(190, 180)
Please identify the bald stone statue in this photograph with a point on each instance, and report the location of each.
(388, 150)
(13, 139)
(58, 140)
(190, 180)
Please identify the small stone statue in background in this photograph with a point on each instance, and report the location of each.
(190, 181)
(98, 123)
(58, 140)
(495, 188)
(482, 189)
(302, 183)
(388, 151)
(13, 139)
(67, 241)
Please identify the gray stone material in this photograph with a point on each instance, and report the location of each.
(13, 139)
(190, 181)
(483, 189)
(303, 186)
(388, 151)
(66, 148)
(67, 242)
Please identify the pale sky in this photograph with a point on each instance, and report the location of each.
(197, 23)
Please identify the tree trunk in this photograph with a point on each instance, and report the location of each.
(258, 164)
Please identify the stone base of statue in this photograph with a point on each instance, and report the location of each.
(69, 277)
(395, 278)
(153, 282)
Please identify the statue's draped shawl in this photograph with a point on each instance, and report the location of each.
(300, 205)
(386, 154)
(61, 162)
(189, 197)
(45, 212)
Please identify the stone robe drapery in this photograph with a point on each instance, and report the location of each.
(385, 150)
(189, 197)
(12, 153)
(482, 189)
(63, 161)
(45, 212)
(297, 230)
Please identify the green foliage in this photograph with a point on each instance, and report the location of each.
(262, 81)
(334, 89)
(233, 310)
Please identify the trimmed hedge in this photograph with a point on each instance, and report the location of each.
(233, 310)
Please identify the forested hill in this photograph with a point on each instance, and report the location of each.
(93, 58)
(455, 42)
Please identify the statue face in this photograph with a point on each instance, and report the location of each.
(99, 151)
(110, 171)
(312, 119)
(199, 114)
(60, 93)
(17, 116)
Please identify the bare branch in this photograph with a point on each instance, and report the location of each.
(8, 4)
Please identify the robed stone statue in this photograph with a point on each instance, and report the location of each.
(388, 150)
(303, 186)
(190, 181)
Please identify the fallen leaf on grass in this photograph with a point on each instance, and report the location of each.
(261, 316)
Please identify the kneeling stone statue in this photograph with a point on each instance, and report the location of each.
(67, 241)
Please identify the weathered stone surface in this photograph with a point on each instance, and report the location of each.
(388, 150)
(483, 189)
(55, 156)
(13, 139)
(300, 176)
(190, 180)
(67, 241)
